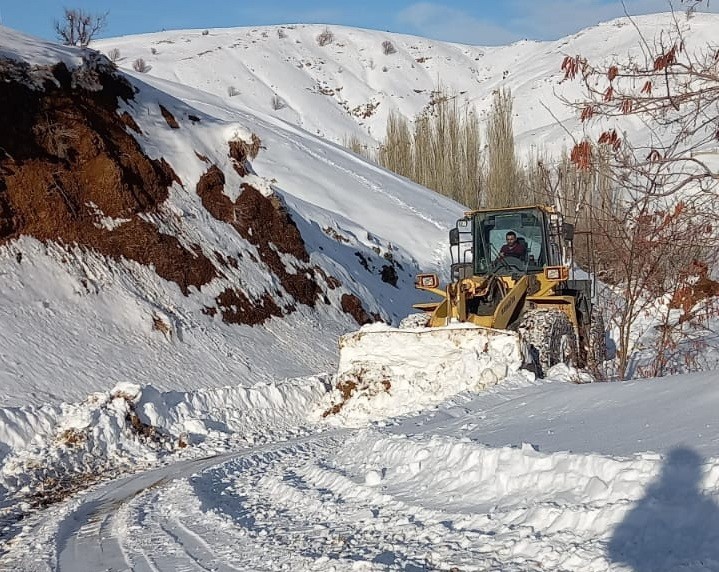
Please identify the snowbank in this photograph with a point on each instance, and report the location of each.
(384, 371)
(563, 510)
(133, 426)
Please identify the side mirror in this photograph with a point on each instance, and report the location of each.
(454, 237)
(568, 231)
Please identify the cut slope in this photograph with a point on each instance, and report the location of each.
(68, 163)
(144, 239)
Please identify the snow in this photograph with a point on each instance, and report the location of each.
(322, 85)
(36, 52)
(460, 486)
(92, 305)
(218, 432)
(395, 371)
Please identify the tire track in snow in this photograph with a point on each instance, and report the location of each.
(93, 535)
(313, 503)
(299, 512)
(195, 524)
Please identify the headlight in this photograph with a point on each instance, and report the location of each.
(559, 273)
(427, 281)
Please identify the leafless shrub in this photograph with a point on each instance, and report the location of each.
(660, 226)
(325, 37)
(388, 48)
(278, 103)
(78, 28)
(153, 51)
(281, 34)
(205, 32)
(140, 65)
(385, 69)
(232, 91)
(114, 54)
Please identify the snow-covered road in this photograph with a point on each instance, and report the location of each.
(91, 537)
(530, 475)
(125, 524)
(427, 492)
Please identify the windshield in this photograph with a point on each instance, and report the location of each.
(509, 242)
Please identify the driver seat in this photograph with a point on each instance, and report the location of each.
(523, 241)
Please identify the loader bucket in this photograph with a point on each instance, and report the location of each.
(389, 371)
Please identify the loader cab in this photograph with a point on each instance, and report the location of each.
(478, 238)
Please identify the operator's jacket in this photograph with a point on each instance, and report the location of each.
(517, 249)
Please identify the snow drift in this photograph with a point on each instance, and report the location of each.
(386, 371)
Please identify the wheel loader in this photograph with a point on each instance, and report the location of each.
(527, 290)
(525, 296)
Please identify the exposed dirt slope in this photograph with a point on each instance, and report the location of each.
(72, 172)
(67, 161)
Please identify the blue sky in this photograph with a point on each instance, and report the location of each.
(482, 22)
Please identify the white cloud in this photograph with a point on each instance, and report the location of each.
(532, 19)
(444, 23)
(552, 19)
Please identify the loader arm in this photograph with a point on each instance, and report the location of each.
(507, 308)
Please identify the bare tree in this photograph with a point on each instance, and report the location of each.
(675, 95)
(78, 27)
(502, 171)
(657, 219)
(442, 151)
(388, 48)
(325, 37)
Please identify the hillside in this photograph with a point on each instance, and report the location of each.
(133, 220)
(349, 86)
(168, 216)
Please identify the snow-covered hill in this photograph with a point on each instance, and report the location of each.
(361, 233)
(349, 86)
(207, 266)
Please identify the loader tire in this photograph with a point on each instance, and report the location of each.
(596, 344)
(550, 339)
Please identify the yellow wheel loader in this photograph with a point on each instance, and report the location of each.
(525, 289)
(510, 281)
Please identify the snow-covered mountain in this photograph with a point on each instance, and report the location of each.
(350, 85)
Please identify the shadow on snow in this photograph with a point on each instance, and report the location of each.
(674, 526)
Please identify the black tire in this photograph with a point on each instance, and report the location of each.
(550, 339)
(596, 343)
